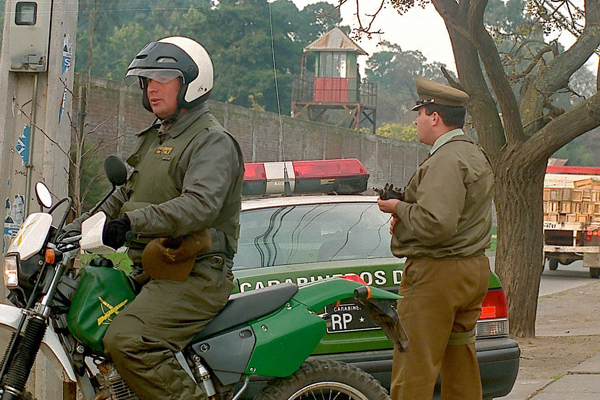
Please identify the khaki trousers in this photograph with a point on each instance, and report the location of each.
(161, 320)
(440, 297)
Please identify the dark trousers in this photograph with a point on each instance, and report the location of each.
(440, 297)
(162, 319)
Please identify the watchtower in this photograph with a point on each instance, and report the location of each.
(333, 92)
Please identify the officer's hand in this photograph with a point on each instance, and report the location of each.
(114, 232)
(388, 206)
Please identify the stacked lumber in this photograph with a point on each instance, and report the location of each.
(580, 203)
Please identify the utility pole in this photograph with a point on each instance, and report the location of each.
(36, 81)
(36, 86)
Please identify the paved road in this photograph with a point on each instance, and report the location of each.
(565, 277)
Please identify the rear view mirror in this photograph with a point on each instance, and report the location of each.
(115, 170)
(44, 197)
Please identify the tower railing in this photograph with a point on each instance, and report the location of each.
(334, 91)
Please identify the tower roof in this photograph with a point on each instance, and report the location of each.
(335, 40)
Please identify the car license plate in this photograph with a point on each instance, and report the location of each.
(349, 318)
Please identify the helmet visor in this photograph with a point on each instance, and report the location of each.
(160, 75)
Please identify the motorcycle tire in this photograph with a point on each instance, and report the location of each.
(324, 379)
(26, 396)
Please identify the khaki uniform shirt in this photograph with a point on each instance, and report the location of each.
(448, 203)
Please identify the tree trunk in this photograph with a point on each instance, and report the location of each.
(519, 185)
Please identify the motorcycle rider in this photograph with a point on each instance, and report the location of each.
(187, 178)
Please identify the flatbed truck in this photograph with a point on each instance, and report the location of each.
(572, 217)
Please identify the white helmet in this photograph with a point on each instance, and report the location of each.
(175, 57)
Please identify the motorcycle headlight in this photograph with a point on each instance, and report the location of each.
(11, 271)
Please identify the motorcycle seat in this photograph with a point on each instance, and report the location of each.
(244, 307)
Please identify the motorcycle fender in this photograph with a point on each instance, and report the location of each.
(10, 316)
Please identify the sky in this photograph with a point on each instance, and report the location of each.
(418, 29)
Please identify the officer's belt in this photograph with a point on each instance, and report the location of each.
(218, 259)
(462, 338)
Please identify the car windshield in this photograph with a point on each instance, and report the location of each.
(309, 233)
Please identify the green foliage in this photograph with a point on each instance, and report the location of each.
(407, 133)
(94, 184)
(236, 33)
(2, 5)
(120, 260)
(578, 154)
(395, 72)
(519, 36)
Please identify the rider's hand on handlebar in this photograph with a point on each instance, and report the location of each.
(114, 232)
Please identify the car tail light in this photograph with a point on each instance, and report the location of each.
(318, 176)
(493, 320)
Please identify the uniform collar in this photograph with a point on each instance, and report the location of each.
(445, 138)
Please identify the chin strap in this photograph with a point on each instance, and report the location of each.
(170, 119)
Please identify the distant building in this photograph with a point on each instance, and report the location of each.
(333, 92)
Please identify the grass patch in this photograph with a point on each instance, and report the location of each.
(120, 260)
(492, 248)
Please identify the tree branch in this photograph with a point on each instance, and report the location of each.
(551, 47)
(481, 106)
(495, 71)
(556, 74)
(362, 29)
(53, 141)
(566, 127)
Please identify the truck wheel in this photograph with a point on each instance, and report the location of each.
(553, 264)
(594, 273)
(323, 380)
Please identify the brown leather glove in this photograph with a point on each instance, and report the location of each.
(174, 258)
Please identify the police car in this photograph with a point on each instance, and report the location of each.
(301, 238)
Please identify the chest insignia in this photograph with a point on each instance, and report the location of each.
(164, 150)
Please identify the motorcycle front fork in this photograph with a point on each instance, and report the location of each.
(17, 363)
(16, 367)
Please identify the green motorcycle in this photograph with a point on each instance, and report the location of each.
(261, 336)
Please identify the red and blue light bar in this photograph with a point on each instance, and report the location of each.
(342, 176)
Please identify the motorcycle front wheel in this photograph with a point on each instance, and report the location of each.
(24, 396)
(323, 379)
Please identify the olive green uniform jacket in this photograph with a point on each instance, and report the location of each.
(208, 175)
(446, 212)
(184, 181)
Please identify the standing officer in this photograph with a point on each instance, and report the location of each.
(185, 188)
(442, 227)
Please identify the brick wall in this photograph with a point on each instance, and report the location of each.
(115, 113)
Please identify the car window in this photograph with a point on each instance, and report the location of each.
(312, 233)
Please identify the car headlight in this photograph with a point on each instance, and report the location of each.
(11, 271)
